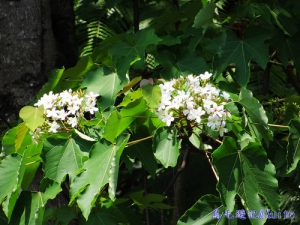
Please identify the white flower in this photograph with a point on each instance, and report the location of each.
(198, 113)
(91, 109)
(51, 113)
(222, 129)
(225, 95)
(213, 122)
(168, 118)
(53, 127)
(205, 76)
(61, 114)
(91, 97)
(72, 109)
(72, 121)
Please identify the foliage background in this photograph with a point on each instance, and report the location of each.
(253, 50)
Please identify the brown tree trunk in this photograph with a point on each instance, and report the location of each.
(36, 36)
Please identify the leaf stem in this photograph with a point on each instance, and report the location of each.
(211, 165)
(139, 140)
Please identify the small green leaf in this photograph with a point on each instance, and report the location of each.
(166, 146)
(152, 95)
(32, 116)
(293, 148)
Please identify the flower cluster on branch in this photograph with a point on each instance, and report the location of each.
(64, 110)
(195, 100)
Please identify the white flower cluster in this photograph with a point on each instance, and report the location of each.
(195, 99)
(64, 110)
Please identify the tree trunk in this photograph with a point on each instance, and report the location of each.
(36, 36)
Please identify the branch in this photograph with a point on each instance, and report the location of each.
(181, 168)
(293, 79)
(136, 15)
(211, 165)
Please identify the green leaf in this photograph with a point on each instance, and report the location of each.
(104, 82)
(32, 116)
(284, 19)
(64, 215)
(256, 113)
(32, 162)
(106, 214)
(293, 148)
(241, 51)
(143, 151)
(152, 95)
(30, 206)
(141, 40)
(11, 172)
(61, 157)
(149, 200)
(53, 80)
(95, 174)
(184, 65)
(205, 16)
(73, 76)
(288, 49)
(203, 212)
(166, 146)
(118, 122)
(248, 173)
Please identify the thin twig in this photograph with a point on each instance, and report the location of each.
(139, 140)
(145, 184)
(212, 167)
(293, 79)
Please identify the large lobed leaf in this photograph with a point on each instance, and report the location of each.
(61, 157)
(241, 51)
(104, 82)
(96, 173)
(248, 173)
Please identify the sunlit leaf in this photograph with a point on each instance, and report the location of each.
(32, 116)
(152, 95)
(61, 157)
(95, 174)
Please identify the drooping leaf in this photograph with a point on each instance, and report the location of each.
(105, 83)
(152, 95)
(61, 157)
(257, 114)
(166, 146)
(205, 211)
(11, 172)
(95, 174)
(118, 122)
(205, 16)
(248, 173)
(293, 148)
(241, 51)
(32, 116)
(128, 86)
